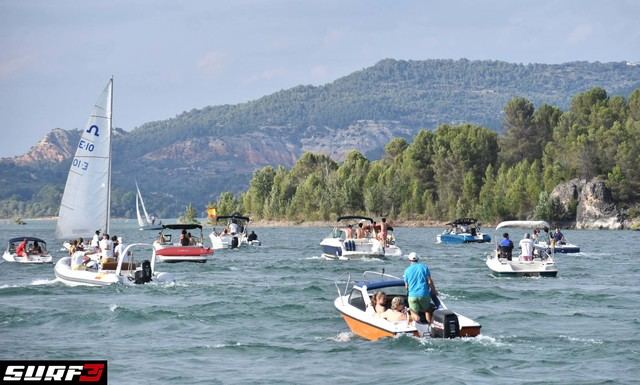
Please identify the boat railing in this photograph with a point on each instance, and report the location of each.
(378, 274)
(346, 287)
(126, 252)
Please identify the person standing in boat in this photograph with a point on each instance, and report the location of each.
(383, 231)
(21, 250)
(106, 249)
(348, 232)
(360, 231)
(95, 241)
(420, 286)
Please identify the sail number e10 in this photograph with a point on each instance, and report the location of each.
(86, 145)
(81, 164)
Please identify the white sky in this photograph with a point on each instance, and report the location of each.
(171, 56)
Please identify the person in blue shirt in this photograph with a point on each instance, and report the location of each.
(420, 285)
(505, 247)
(558, 236)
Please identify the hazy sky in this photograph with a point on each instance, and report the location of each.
(171, 56)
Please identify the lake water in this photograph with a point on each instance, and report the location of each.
(265, 316)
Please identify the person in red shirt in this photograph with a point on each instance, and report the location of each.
(21, 249)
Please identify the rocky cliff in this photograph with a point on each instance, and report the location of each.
(587, 205)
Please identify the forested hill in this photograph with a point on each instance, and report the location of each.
(202, 152)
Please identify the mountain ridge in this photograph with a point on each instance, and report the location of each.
(195, 155)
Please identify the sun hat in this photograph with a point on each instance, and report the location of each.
(413, 256)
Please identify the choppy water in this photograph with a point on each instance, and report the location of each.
(266, 316)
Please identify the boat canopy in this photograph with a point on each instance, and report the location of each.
(356, 217)
(189, 226)
(463, 221)
(29, 239)
(232, 216)
(379, 284)
(523, 224)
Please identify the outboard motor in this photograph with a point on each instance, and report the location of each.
(444, 324)
(234, 242)
(144, 275)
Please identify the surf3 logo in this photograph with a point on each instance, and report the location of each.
(53, 372)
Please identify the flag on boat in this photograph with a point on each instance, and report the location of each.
(212, 213)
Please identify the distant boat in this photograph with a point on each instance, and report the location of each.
(462, 230)
(19, 221)
(145, 223)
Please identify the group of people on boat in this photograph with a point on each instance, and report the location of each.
(373, 230)
(527, 249)
(24, 248)
(420, 286)
(101, 251)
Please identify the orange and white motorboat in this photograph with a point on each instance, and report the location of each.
(356, 307)
(186, 249)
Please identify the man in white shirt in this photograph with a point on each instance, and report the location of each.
(120, 248)
(234, 228)
(106, 247)
(526, 247)
(95, 240)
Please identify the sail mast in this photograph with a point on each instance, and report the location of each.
(110, 118)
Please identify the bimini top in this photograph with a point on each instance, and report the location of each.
(380, 284)
(463, 221)
(189, 226)
(523, 224)
(232, 216)
(356, 217)
(29, 239)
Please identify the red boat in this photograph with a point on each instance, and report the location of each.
(188, 248)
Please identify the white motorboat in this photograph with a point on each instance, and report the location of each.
(355, 305)
(35, 251)
(234, 234)
(86, 202)
(339, 245)
(502, 262)
(186, 249)
(146, 222)
(125, 271)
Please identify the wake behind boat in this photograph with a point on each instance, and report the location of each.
(188, 248)
(86, 203)
(530, 263)
(355, 304)
(30, 250)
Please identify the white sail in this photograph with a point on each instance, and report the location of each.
(140, 220)
(144, 209)
(85, 205)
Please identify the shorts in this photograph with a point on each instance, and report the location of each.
(421, 304)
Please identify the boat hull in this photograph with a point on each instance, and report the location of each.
(371, 327)
(31, 259)
(96, 278)
(453, 239)
(566, 248)
(336, 248)
(172, 254)
(226, 241)
(516, 268)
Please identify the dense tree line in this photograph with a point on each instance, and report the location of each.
(464, 170)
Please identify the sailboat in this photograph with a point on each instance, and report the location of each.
(145, 223)
(86, 206)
